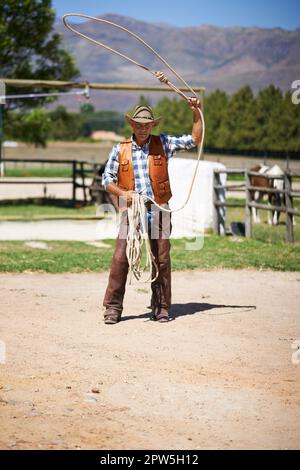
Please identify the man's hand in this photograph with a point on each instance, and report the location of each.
(161, 77)
(194, 104)
(197, 131)
(127, 196)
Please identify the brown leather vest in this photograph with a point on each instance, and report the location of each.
(158, 169)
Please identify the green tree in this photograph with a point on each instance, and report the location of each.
(32, 127)
(64, 125)
(215, 112)
(87, 109)
(176, 116)
(269, 109)
(28, 47)
(289, 131)
(100, 120)
(239, 127)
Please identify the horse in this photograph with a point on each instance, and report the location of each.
(274, 199)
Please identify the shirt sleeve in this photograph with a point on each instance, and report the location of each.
(173, 143)
(110, 174)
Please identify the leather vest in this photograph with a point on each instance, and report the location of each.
(157, 165)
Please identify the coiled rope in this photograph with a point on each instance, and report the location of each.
(136, 212)
(137, 237)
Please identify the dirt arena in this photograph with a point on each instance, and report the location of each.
(222, 375)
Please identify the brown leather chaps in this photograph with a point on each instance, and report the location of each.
(160, 246)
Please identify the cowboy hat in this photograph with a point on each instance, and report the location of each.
(143, 114)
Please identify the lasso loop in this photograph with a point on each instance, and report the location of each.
(114, 25)
(156, 74)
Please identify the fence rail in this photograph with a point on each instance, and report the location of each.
(219, 197)
(80, 170)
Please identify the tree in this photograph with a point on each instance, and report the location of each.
(289, 131)
(64, 125)
(239, 127)
(32, 127)
(100, 120)
(215, 112)
(269, 114)
(28, 47)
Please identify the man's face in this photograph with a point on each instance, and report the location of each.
(142, 131)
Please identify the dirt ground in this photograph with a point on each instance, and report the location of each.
(220, 376)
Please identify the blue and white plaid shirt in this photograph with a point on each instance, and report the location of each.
(171, 144)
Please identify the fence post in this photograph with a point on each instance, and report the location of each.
(219, 211)
(83, 181)
(74, 170)
(215, 199)
(248, 225)
(288, 205)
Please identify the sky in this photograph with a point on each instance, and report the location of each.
(261, 13)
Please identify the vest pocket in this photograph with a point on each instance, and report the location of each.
(164, 187)
(125, 165)
(157, 160)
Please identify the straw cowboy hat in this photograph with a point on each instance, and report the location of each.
(143, 114)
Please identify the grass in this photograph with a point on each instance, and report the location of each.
(267, 249)
(66, 172)
(53, 172)
(217, 253)
(236, 178)
(45, 211)
(50, 209)
(241, 178)
(263, 231)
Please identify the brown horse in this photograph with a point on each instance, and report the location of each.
(274, 199)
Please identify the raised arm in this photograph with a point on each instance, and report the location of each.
(197, 128)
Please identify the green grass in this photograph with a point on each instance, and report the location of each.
(217, 252)
(267, 249)
(236, 178)
(263, 231)
(53, 172)
(242, 179)
(43, 211)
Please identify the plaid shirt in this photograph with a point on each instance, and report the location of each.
(140, 155)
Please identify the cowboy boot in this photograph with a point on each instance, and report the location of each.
(161, 288)
(114, 295)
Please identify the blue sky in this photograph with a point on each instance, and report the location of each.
(263, 13)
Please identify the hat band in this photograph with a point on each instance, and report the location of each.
(135, 118)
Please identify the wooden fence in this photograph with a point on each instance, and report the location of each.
(220, 203)
(80, 170)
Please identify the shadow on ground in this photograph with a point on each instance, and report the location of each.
(192, 308)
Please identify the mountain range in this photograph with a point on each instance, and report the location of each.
(209, 56)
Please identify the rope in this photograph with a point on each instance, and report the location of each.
(137, 237)
(159, 75)
(137, 234)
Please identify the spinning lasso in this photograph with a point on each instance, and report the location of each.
(137, 232)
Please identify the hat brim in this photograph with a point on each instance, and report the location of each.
(155, 122)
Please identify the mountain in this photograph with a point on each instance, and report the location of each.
(213, 57)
